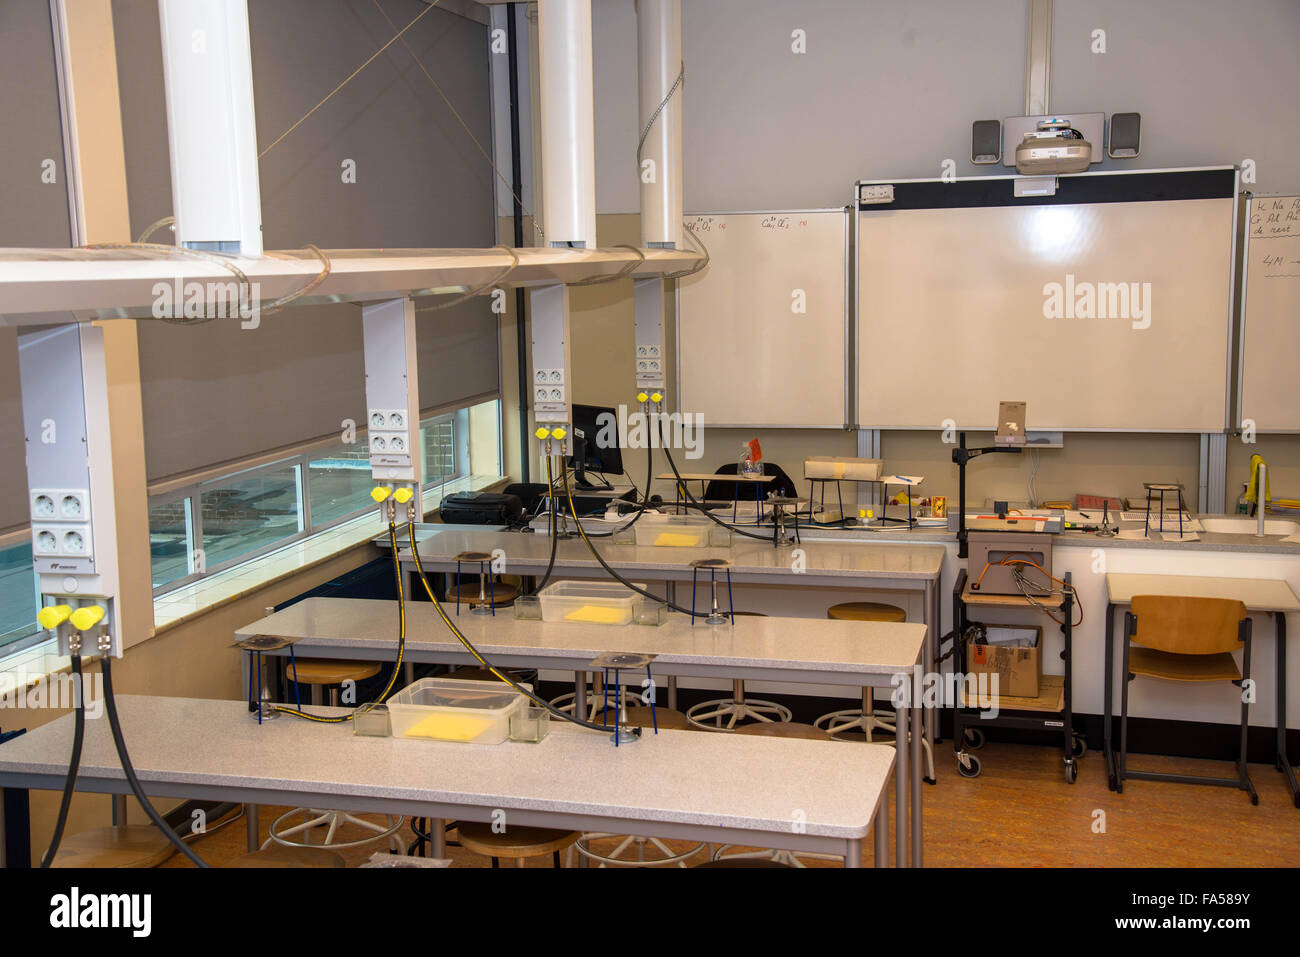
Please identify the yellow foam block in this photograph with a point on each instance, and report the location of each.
(596, 614)
(449, 727)
(677, 539)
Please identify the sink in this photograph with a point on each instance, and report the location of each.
(1248, 526)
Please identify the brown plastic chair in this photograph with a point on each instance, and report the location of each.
(1186, 639)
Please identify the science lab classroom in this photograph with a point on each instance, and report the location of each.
(650, 435)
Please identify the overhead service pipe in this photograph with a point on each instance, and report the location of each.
(208, 79)
(661, 79)
(568, 123)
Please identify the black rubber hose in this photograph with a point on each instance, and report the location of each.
(605, 565)
(70, 784)
(502, 675)
(116, 725)
(663, 440)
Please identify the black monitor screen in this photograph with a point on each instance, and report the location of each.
(596, 449)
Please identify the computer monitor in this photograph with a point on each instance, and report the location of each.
(590, 454)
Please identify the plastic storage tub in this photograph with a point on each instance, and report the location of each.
(601, 603)
(679, 531)
(447, 709)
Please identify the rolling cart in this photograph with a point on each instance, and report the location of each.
(1052, 710)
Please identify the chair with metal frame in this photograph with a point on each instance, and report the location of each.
(1186, 639)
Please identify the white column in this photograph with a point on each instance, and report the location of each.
(102, 362)
(392, 391)
(568, 123)
(208, 77)
(548, 313)
(659, 56)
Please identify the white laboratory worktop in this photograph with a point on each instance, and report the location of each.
(677, 784)
(853, 653)
(849, 654)
(749, 559)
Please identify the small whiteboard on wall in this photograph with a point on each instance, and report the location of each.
(1270, 331)
(762, 330)
(1106, 306)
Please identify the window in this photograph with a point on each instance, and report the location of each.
(18, 598)
(244, 515)
(223, 521)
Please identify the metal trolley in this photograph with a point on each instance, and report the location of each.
(1052, 710)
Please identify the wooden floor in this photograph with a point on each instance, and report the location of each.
(1021, 813)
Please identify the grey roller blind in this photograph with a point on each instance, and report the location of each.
(13, 461)
(216, 393)
(33, 212)
(458, 353)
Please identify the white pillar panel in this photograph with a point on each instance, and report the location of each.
(648, 319)
(548, 313)
(392, 391)
(70, 474)
(208, 77)
(568, 123)
(1038, 58)
(659, 58)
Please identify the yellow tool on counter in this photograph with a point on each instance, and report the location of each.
(1252, 489)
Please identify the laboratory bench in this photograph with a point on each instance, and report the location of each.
(674, 785)
(835, 653)
(1087, 556)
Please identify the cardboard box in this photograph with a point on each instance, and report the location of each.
(1018, 668)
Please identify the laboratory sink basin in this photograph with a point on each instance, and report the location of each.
(1248, 526)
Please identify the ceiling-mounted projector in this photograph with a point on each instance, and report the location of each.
(1054, 147)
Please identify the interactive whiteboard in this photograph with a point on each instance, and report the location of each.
(1103, 315)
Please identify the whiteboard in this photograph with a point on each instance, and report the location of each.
(761, 330)
(1270, 344)
(961, 308)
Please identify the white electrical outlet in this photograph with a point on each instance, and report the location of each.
(60, 505)
(45, 540)
(75, 541)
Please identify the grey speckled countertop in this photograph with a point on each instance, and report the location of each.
(439, 542)
(818, 648)
(684, 778)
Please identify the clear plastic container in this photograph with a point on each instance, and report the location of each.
(447, 709)
(601, 603)
(530, 724)
(675, 531)
(528, 608)
(371, 721)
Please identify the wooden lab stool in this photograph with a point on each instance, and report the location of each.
(127, 845)
(711, 714)
(516, 842)
(634, 850)
(772, 858)
(866, 718)
(319, 673)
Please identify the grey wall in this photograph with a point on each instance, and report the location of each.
(1215, 82)
(32, 212)
(890, 89)
(215, 393)
(884, 89)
